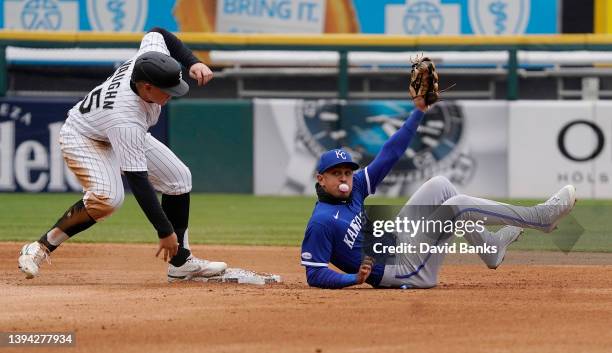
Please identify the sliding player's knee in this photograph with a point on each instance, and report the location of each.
(439, 185)
(186, 184)
(100, 206)
(441, 182)
(444, 187)
(458, 208)
(459, 200)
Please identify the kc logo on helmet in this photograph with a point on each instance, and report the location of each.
(340, 154)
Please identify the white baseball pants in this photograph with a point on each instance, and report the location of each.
(96, 166)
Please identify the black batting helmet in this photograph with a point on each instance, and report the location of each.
(161, 71)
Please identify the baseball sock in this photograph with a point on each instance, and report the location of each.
(75, 220)
(176, 208)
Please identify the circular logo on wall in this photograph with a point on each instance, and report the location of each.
(499, 16)
(117, 15)
(568, 149)
(366, 126)
(423, 18)
(41, 14)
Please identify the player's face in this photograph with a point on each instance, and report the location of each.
(331, 179)
(153, 94)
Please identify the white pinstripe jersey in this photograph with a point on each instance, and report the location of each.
(113, 113)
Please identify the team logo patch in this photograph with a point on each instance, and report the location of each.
(306, 256)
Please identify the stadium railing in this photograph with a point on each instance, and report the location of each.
(368, 52)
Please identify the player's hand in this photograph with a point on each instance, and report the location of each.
(200, 73)
(365, 269)
(419, 103)
(169, 245)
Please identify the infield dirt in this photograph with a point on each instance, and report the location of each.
(115, 298)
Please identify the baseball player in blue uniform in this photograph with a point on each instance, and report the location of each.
(105, 135)
(335, 231)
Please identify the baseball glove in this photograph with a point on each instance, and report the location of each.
(424, 80)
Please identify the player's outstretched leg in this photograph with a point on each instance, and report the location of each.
(184, 266)
(420, 270)
(487, 240)
(75, 220)
(96, 167)
(544, 217)
(170, 176)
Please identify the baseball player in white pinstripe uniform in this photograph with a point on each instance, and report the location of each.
(105, 135)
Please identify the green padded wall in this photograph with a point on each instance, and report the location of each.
(215, 140)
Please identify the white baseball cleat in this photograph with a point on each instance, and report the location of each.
(195, 267)
(30, 258)
(507, 236)
(558, 206)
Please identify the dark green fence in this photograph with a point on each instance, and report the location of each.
(215, 139)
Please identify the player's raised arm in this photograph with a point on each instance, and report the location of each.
(179, 51)
(424, 93)
(395, 147)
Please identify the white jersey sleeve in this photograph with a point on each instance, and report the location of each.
(129, 145)
(153, 41)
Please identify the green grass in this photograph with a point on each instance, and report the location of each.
(215, 219)
(253, 220)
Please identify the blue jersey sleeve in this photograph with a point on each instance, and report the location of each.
(317, 245)
(316, 254)
(361, 184)
(323, 277)
(392, 151)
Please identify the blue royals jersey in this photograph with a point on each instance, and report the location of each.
(333, 234)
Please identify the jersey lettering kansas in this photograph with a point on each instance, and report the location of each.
(333, 234)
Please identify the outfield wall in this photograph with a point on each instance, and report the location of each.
(270, 146)
(465, 141)
(214, 138)
(30, 155)
(557, 143)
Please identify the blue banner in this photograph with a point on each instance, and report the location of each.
(452, 17)
(30, 155)
(87, 15)
(413, 17)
